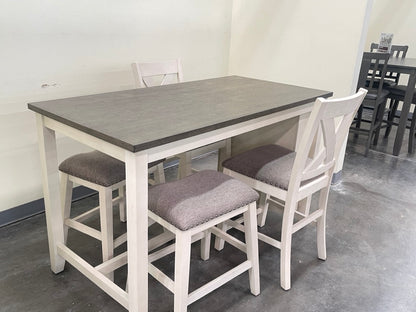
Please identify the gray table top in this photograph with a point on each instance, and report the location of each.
(140, 119)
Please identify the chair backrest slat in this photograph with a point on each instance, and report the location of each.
(395, 51)
(330, 119)
(373, 68)
(398, 51)
(145, 73)
(328, 131)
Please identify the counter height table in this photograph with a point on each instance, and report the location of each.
(403, 66)
(144, 125)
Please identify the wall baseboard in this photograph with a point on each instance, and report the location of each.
(35, 207)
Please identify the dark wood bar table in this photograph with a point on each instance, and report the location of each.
(143, 125)
(403, 66)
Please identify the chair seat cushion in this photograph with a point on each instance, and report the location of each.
(96, 167)
(386, 83)
(271, 164)
(372, 96)
(400, 91)
(199, 198)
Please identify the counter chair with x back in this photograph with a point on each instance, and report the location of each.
(286, 177)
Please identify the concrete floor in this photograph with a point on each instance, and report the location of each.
(371, 246)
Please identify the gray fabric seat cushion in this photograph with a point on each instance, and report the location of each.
(271, 164)
(199, 198)
(386, 83)
(96, 167)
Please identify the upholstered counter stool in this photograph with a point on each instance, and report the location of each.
(190, 208)
(104, 174)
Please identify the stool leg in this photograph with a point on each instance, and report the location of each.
(393, 109)
(412, 132)
(321, 224)
(219, 242)
(185, 165)
(358, 120)
(182, 265)
(205, 245)
(250, 230)
(159, 174)
(106, 224)
(380, 117)
(264, 204)
(122, 203)
(286, 244)
(66, 197)
(372, 130)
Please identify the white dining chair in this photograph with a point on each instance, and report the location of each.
(161, 73)
(103, 174)
(285, 177)
(190, 208)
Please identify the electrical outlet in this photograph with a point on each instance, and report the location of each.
(47, 85)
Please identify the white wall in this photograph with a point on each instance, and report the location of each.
(309, 43)
(303, 42)
(397, 17)
(86, 47)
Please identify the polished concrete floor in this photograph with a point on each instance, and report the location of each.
(371, 246)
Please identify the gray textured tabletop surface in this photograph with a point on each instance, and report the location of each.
(139, 119)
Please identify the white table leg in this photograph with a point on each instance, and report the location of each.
(137, 192)
(50, 182)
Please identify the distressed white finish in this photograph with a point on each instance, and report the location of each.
(50, 182)
(137, 223)
(179, 286)
(136, 188)
(143, 74)
(307, 179)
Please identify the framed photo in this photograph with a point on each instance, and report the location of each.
(385, 42)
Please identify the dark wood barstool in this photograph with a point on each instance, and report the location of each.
(372, 72)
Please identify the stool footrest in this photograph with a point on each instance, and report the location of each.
(219, 281)
(94, 275)
(87, 214)
(229, 239)
(83, 228)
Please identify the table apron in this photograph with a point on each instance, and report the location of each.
(85, 138)
(196, 141)
(180, 146)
